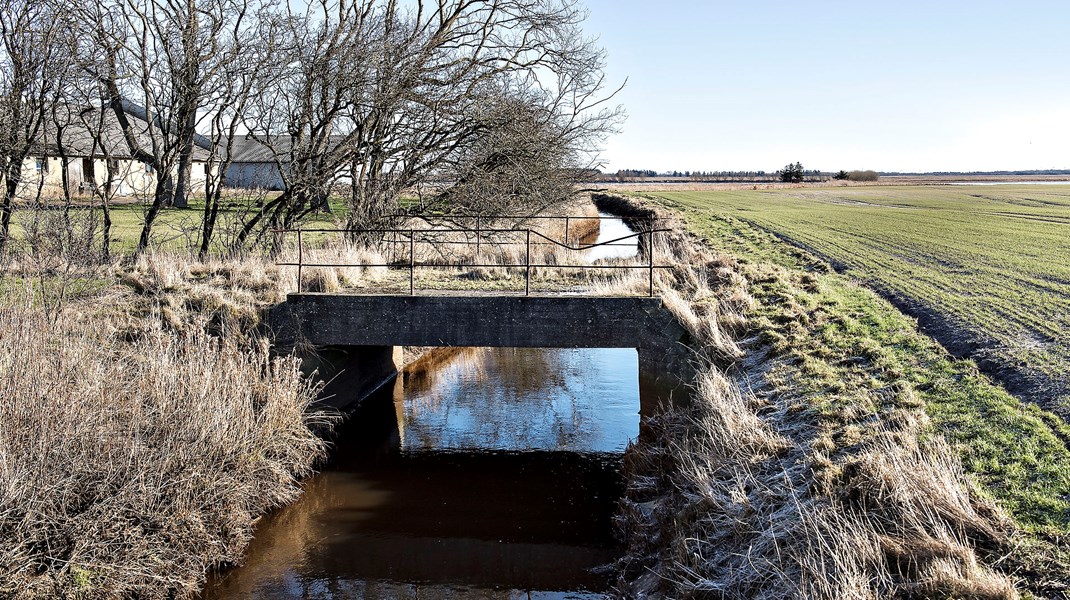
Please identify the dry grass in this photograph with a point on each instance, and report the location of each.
(755, 493)
(130, 467)
(447, 258)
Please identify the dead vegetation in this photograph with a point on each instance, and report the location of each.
(144, 425)
(771, 491)
(194, 430)
(129, 467)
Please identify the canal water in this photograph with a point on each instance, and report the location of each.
(610, 231)
(493, 474)
(487, 473)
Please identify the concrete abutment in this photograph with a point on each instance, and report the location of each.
(358, 338)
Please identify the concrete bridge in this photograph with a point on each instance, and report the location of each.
(367, 332)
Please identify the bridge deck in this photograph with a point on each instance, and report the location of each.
(480, 320)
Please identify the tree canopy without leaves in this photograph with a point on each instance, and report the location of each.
(29, 65)
(473, 105)
(455, 104)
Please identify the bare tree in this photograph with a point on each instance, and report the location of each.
(160, 61)
(323, 65)
(466, 104)
(26, 92)
(391, 96)
(247, 49)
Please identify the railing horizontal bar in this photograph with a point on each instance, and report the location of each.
(466, 266)
(551, 241)
(472, 230)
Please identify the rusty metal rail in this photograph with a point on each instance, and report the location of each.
(410, 234)
(480, 219)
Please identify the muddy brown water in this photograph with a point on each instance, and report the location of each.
(494, 475)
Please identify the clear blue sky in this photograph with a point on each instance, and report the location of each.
(908, 85)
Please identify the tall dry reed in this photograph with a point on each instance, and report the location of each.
(130, 467)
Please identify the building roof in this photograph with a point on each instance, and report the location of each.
(265, 149)
(85, 134)
(245, 149)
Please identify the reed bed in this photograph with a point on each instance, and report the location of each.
(128, 468)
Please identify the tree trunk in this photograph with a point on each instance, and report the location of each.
(185, 166)
(251, 225)
(185, 163)
(159, 199)
(10, 189)
(211, 213)
(106, 243)
(105, 201)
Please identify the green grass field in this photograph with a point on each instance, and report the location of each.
(175, 229)
(852, 358)
(985, 268)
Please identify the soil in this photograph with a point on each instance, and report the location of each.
(1022, 381)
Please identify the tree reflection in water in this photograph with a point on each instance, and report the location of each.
(493, 475)
(524, 399)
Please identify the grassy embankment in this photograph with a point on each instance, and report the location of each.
(144, 426)
(852, 367)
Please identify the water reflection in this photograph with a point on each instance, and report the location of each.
(526, 399)
(612, 229)
(494, 475)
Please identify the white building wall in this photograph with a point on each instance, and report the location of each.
(132, 178)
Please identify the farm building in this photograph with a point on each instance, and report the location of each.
(78, 147)
(254, 162)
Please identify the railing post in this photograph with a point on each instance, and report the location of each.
(412, 262)
(527, 264)
(650, 260)
(566, 230)
(300, 263)
(478, 239)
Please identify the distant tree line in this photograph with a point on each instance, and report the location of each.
(697, 176)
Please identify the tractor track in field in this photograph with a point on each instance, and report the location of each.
(1028, 385)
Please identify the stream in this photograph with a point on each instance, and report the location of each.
(486, 473)
(495, 475)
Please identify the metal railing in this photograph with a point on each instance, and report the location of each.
(480, 219)
(482, 236)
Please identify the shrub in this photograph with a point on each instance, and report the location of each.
(862, 175)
